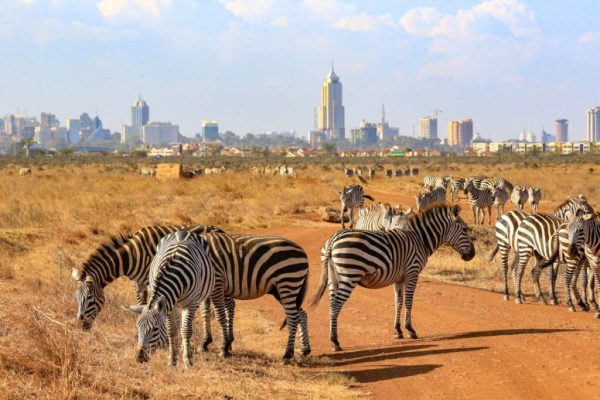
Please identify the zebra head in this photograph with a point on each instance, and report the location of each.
(456, 234)
(575, 230)
(152, 319)
(468, 186)
(399, 219)
(158, 338)
(90, 298)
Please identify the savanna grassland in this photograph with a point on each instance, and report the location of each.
(51, 220)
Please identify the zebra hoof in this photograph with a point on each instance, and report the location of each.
(597, 316)
(335, 346)
(542, 301)
(505, 297)
(399, 335)
(571, 308)
(305, 352)
(583, 306)
(554, 302)
(288, 356)
(518, 300)
(594, 306)
(412, 335)
(206, 343)
(225, 353)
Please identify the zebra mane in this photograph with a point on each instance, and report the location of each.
(430, 210)
(112, 244)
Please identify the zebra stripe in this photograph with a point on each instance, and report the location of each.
(249, 267)
(479, 200)
(456, 185)
(500, 196)
(436, 181)
(128, 256)
(181, 273)
(348, 172)
(434, 197)
(489, 183)
(569, 208)
(534, 195)
(351, 197)
(519, 197)
(382, 217)
(376, 259)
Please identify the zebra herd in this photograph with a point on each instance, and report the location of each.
(370, 172)
(180, 269)
(284, 171)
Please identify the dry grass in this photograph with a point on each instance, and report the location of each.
(50, 221)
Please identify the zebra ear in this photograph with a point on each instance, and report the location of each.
(76, 274)
(136, 309)
(456, 210)
(408, 211)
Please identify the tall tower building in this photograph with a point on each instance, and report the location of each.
(593, 124)
(466, 132)
(562, 130)
(331, 111)
(453, 133)
(428, 128)
(140, 113)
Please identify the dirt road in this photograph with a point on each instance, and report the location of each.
(472, 344)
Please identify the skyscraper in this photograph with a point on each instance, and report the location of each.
(562, 130)
(331, 111)
(593, 124)
(428, 128)
(453, 133)
(140, 113)
(460, 133)
(210, 130)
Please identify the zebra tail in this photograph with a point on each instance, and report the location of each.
(366, 196)
(493, 253)
(327, 273)
(299, 300)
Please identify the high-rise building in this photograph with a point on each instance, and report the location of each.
(593, 124)
(562, 130)
(48, 120)
(460, 133)
(1, 126)
(366, 133)
(384, 130)
(160, 133)
(528, 137)
(331, 111)
(209, 130)
(428, 128)
(73, 128)
(140, 113)
(10, 125)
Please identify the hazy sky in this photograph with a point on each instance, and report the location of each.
(257, 65)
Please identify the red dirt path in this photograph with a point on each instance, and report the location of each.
(472, 344)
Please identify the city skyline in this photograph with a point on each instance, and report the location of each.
(254, 65)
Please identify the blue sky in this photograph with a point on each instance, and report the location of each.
(257, 65)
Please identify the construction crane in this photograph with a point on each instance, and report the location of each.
(436, 112)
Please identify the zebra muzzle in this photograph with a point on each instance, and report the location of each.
(143, 355)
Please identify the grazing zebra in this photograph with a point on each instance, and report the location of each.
(348, 172)
(375, 259)
(181, 273)
(249, 267)
(500, 196)
(456, 185)
(25, 171)
(389, 173)
(145, 172)
(351, 197)
(534, 195)
(128, 256)
(507, 225)
(371, 173)
(519, 197)
(489, 183)
(435, 182)
(406, 172)
(433, 197)
(479, 200)
(398, 173)
(382, 217)
(414, 171)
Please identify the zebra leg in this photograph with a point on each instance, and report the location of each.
(518, 269)
(336, 302)
(592, 287)
(342, 217)
(504, 261)
(553, 276)
(292, 316)
(398, 292)
(584, 284)
(187, 319)
(172, 334)
(411, 285)
(305, 340)
(141, 293)
(490, 215)
(352, 218)
(567, 278)
(205, 311)
(535, 277)
(218, 301)
(578, 298)
(230, 312)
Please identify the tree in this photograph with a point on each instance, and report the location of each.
(329, 148)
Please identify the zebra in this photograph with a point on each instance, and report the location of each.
(25, 171)
(375, 259)
(500, 197)
(358, 171)
(406, 172)
(351, 197)
(251, 266)
(534, 195)
(382, 217)
(371, 173)
(348, 172)
(181, 273)
(434, 196)
(414, 171)
(507, 225)
(456, 185)
(398, 173)
(479, 200)
(128, 256)
(519, 197)
(247, 278)
(435, 181)
(489, 183)
(389, 173)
